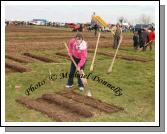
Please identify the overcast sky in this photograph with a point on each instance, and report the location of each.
(78, 13)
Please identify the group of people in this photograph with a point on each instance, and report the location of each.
(141, 39)
(78, 50)
(144, 38)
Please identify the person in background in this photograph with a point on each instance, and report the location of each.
(94, 24)
(95, 28)
(146, 38)
(78, 50)
(81, 28)
(151, 38)
(143, 38)
(117, 36)
(136, 40)
(140, 38)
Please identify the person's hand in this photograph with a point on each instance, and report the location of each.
(78, 69)
(81, 72)
(69, 54)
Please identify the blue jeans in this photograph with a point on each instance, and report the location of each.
(72, 72)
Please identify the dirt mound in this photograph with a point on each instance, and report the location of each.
(66, 56)
(41, 58)
(68, 106)
(17, 68)
(8, 70)
(102, 44)
(91, 102)
(18, 59)
(125, 57)
(65, 102)
(27, 39)
(48, 108)
(63, 55)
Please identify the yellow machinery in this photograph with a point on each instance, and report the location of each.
(99, 21)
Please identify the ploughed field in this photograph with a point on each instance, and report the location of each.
(20, 41)
(33, 53)
(25, 39)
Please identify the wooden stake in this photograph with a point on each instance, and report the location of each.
(112, 63)
(91, 67)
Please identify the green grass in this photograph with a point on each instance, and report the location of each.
(136, 79)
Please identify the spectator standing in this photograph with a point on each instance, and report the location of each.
(151, 38)
(117, 36)
(136, 40)
(143, 38)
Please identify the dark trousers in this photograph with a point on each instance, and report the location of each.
(136, 45)
(143, 45)
(95, 31)
(72, 73)
(116, 42)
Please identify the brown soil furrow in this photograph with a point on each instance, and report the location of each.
(8, 70)
(41, 58)
(28, 46)
(63, 55)
(46, 38)
(18, 59)
(29, 58)
(125, 57)
(63, 110)
(91, 102)
(16, 67)
(66, 56)
(70, 104)
(51, 110)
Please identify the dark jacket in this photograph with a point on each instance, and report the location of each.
(118, 32)
(136, 39)
(143, 36)
(95, 26)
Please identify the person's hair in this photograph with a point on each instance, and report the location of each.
(150, 28)
(79, 36)
(153, 29)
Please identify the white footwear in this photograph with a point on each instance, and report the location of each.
(69, 86)
(81, 88)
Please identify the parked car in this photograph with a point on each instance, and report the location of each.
(75, 27)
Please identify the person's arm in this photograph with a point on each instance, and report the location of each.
(70, 46)
(83, 58)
